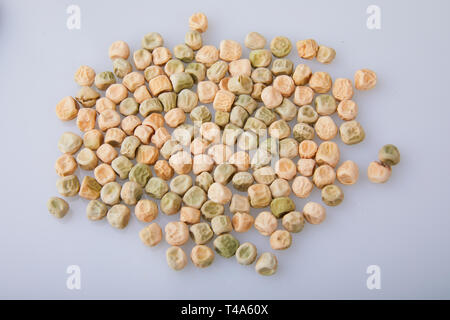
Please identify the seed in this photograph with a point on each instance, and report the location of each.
(307, 49)
(323, 176)
(160, 137)
(328, 153)
(302, 187)
(260, 58)
(110, 193)
(230, 50)
(114, 137)
(198, 22)
(65, 165)
(69, 143)
(96, 210)
(280, 240)
(320, 82)
(266, 223)
(325, 54)
(301, 74)
(106, 153)
(365, 79)
(151, 41)
(307, 114)
(142, 59)
(266, 264)
(201, 233)
(87, 160)
(57, 207)
(332, 195)
(200, 114)
(240, 67)
(303, 131)
(207, 55)
(181, 162)
(306, 167)
(90, 188)
(170, 203)
(307, 149)
(242, 222)
(168, 100)
(325, 104)
(67, 109)
(68, 186)
(314, 213)
(262, 75)
(129, 147)
(161, 55)
(140, 173)
(282, 67)
(254, 41)
(211, 209)
(131, 192)
(279, 129)
(347, 110)
(342, 89)
(378, 172)
(285, 168)
(241, 84)
(259, 195)
(239, 204)
(122, 166)
(271, 97)
(193, 39)
(226, 245)
(219, 193)
(151, 235)
(281, 206)
(288, 148)
(175, 117)
(156, 188)
(287, 110)
(181, 80)
(148, 106)
(246, 253)
(230, 134)
(204, 180)
(280, 46)
(194, 197)
(347, 173)
(159, 84)
(92, 139)
(325, 128)
(121, 67)
(119, 49)
(223, 173)
(220, 153)
(242, 181)
(147, 154)
(133, 80)
(118, 216)
(280, 188)
(352, 132)
(177, 233)
(221, 224)
(293, 221)
(103, 80)
(183, 52)
(176, 258)
(128, 107)
(202, 256)
(163, 170)
(190, 215)
(389, 155)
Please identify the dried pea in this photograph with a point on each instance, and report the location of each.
(239, 204)
(176, 258)
(204, 180)
(201, 233)
(110, 193)
(293, 221)
(193, 39)
(221, 118)
(303, 131)
(68, 186)
(196, 70)
(121, 67)
(140, 173)
(57, 207)
(156, 187)
(280, 240)
(194, 197)
(288, 148)
(211, 209)
(259, 195)
(389, 155)
(280, 46)
(242, 181)
(118, 216)
(202, 256)
(96, 210)
(266, 264)
(221, 224)
(260, 58)
(226, 245)
(168, 100)
(122, 166)
(183, 52)
(131, 192)
(281, 206)
(151, 235)
(254, 40)
(378, 172)
(170, 203)
(151, 41)
(332, 195)
(246, 253)
(200, 114)
(351, 132)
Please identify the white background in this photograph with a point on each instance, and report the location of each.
(402, 226)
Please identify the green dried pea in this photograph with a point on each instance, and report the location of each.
(332, 195)
(151, 41)
(270, 145)
(168, 100)
(280, 129)
(104, 79)
(325, 104)
(128, 106)
(256, 126)
(193, 39)
(221, 118)
(122, 166)
(201, 233)
(307, 114)
(221, 224)
(288, 148)
(282, 67)
(140, 173)
(246, 253)
(303, 131)
(287, 110)
(265, 115)
(280, 46)
(118, 216)
(156, 187)
(150, 105)
(224, 172)
(241, 84)
(217, 71)
(194, 198)
(197, 71)
(204, 180)
(96, 210)
(242, 180)
(173, 66)
(247, 102)
(266, 264)
(230, 134)
(129, 146)
(389, 155)
(211, 209)
(262, 75)
(293, 221)
(170, 203)
(351, 132)
(68, 186)
(238, 116)
(226, 245)
(281, 206)
(200, 114)
(181, 80)
(260, 58)
(121, 67)
(57, 207)
(183, 52)
(187, 100)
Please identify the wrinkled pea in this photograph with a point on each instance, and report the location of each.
(110, 193)
(183, 52)
(201, 233)
(202, 256)
(170, 203)
(211, 209)
(246, 253)
(221, 118)
(176, 258)
(196, 70)
(303, 131)
(59, 207)
(68, 186)
(266, 264)
(226, 245)
(280, 46)
(131, 192)
(332, 195)
(352, 132)
(281, 206)
(282, 67)
(96, 210)
(242, 181)
(168, 100)
(221, 224)
(389, 155)
(204, 180)
(293, 221)
(194, 197)
(140, 173)
(156, 187)
(122, 166)
(200, 114)
(118, 216)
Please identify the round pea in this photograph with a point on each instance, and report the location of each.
(226, 245)
(332, 195)
(389, 155)
(246, 253)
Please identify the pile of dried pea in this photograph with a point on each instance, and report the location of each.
(142, 122)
